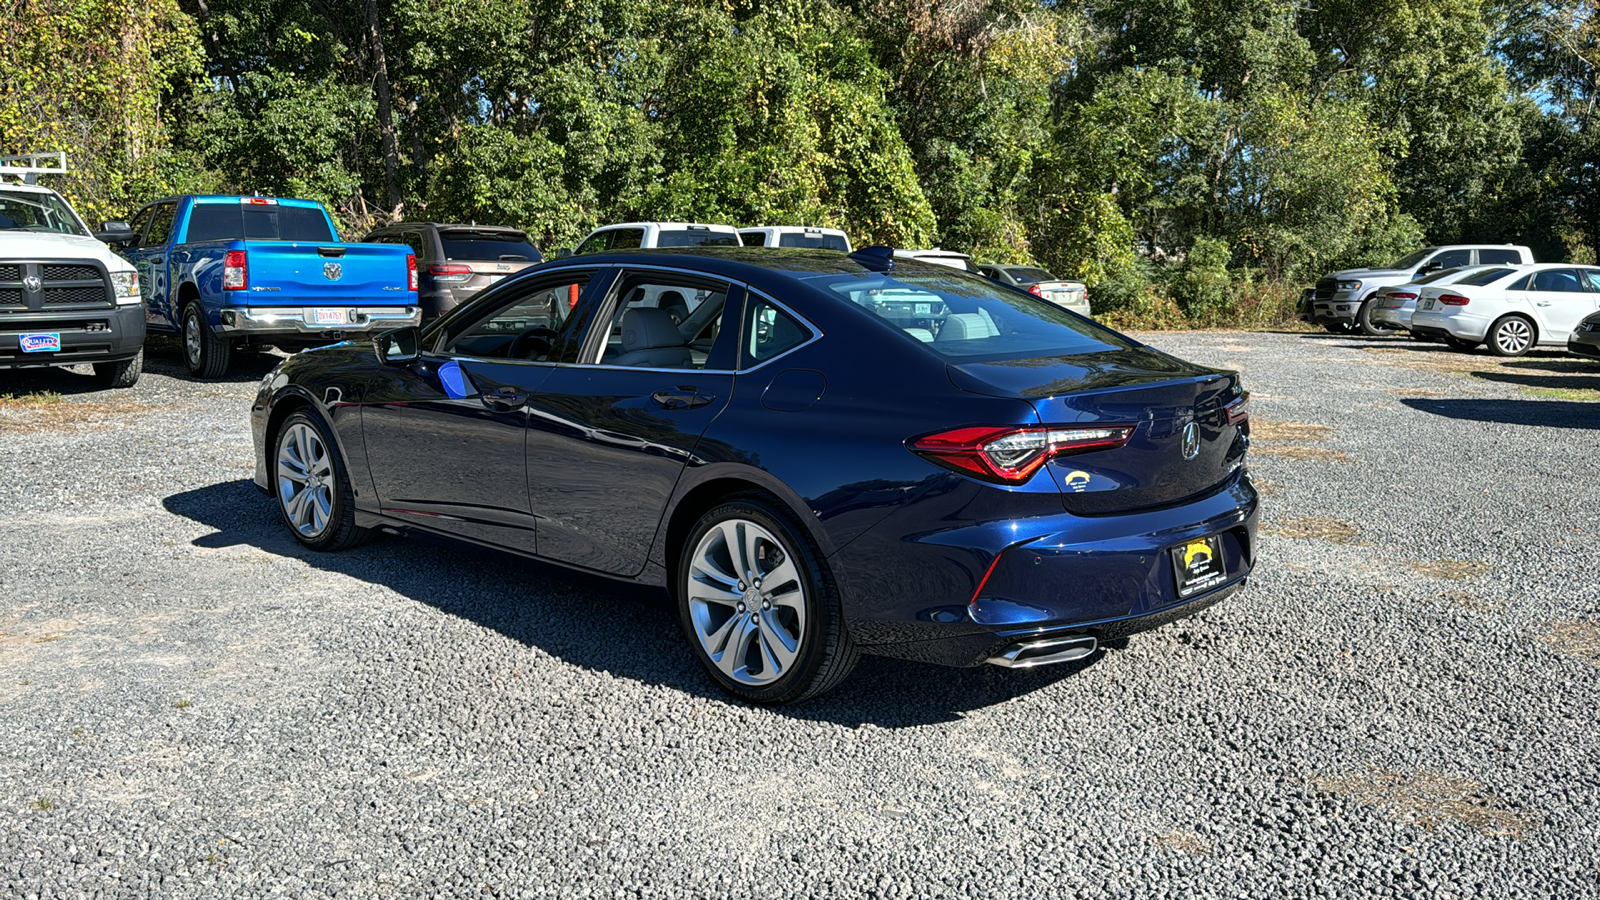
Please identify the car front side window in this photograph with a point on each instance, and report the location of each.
(533, 323)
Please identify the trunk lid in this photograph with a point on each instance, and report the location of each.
(1165, 460)
(295, 273)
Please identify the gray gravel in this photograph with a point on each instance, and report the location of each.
(194, 706)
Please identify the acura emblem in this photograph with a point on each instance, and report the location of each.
(32, 283)
(1191, 441)
(334, 271)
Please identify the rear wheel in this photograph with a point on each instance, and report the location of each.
(312, 485)
(759, 607)
(206, 352)
(122, 374)
(1456, 343)
(1510, 336)
(1367, 326)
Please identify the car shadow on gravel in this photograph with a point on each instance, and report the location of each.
(595, 623)
(1567, 382)
(1544, 413)
(164, 356)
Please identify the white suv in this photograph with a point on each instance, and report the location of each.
(939, 257)
(651, 235)
(1511, 309)
(795, 236)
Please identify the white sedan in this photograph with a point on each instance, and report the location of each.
(1394, 306)
(1511, 309)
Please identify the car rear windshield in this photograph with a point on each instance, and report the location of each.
(1031, 276)
(258, 222)
(695, 237)
(815, 241)
(488, 245)
(1486, 276)
(965, 318)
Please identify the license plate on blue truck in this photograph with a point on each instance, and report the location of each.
(40, 343)
(331, 316)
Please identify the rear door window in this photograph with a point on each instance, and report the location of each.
(667, 321)
(161, 220)
(969, 318)
(753, 238)
(1557, 281)
(1498, 257)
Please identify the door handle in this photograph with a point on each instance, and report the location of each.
(505, 399)
(1542, 303)
(681, 398)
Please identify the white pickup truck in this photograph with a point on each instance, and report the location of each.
(65, 298)
(1344, 301)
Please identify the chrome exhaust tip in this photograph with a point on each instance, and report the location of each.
(1047, 651)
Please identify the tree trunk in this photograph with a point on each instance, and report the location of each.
(380, 79)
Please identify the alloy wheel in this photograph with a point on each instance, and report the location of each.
(747, 602)
(305, 480)
(191, 338)
(1513, 336)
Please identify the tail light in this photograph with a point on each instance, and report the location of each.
(235, 270)
(448, 273)
(411, 271)
(1034, 290)
(1238, 411)
(1401, 295)
(1453, 300)
(1012, 455)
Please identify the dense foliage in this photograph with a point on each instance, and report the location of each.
(1180, 155)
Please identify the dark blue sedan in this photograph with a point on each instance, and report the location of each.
(817, 455)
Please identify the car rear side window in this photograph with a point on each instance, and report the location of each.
(967, 318)
(490, 245)
(229, 221)
(753, 238)
(695, 237)
(1497, 257)
(770, 332)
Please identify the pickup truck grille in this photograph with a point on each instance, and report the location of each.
(63, 284)
(1325, 288)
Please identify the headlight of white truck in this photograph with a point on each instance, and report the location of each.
(1346, 287)
(126, 286)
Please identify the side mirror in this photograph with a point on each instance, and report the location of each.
(563, 253)
(115, 233)
(397, 347)
(1429, 267)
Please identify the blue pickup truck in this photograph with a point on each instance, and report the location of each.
(225, 272)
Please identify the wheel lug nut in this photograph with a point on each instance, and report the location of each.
(766, 604)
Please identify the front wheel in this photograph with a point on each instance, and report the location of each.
(1510, 336)
(206, 352)
(759, 607)
(312, 485)
(121, 374)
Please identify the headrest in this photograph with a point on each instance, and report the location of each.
(648, 328)
(967, 327)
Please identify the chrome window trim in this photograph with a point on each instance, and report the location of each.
(816, 333)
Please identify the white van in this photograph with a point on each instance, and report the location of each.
(941, 258)
(651, 235)
(796, 236)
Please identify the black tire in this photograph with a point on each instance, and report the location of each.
(122, 374)
(1456, 343)
(206, 352)
(1512, 335)
(1364, 322)
(826, 653)
(339, 531)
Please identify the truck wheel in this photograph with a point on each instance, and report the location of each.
(206, 352)
(1511, 336)
(312, 485)
(122, 374)
(1365, 324)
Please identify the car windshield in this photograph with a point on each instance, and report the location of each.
(507, 245)
(965, 318)
(1413, 259)
(39, 212)
(696, 237)
(1486, 276)
(233, 221)
(815, 240)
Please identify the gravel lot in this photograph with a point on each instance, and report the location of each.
(1402, 704)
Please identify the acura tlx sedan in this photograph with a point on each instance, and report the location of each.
(817, 455)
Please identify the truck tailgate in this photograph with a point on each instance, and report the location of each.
(293, 273)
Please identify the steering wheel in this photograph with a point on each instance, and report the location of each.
(525, 341)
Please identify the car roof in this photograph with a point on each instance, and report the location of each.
(711, 225)
(27, 188)
(747, 263)
(449, 226)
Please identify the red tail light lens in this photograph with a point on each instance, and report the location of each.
(411, 271)
(235, 270)
(450, 273)
(1034, 290)
(1013, 455)
(1453, 300)
(1239, 410)
(1401, 295)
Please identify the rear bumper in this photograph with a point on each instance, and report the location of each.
(300, 322)
(109, 334)
(1399, 317)
(1461, 327)
(957, 604)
